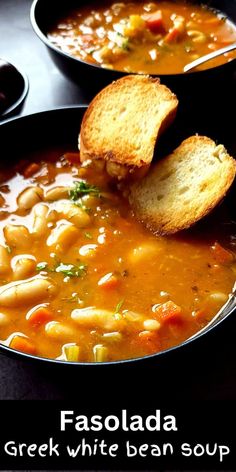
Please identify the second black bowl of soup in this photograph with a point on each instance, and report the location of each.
(83, 282)
(100, 42)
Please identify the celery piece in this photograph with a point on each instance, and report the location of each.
(72, 352)
(100, 353)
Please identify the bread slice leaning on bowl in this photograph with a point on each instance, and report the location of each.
(124, 121)
(183, 187)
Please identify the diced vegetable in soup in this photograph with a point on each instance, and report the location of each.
(83, 281)
(158, 37)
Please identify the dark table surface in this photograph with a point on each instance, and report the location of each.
(19, 44)
(206, 371)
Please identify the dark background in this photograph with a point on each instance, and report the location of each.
(19, 44)
(203, 371)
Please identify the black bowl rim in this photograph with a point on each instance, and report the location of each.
(13, 353)
(50, 45)
(24, 92)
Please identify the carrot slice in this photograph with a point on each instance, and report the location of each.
(31, 169)
(222, 256)
(167, 312)
(172, 35)
(40, 316)
(20, 343)
(109, 281)
(155, 22)
(149, 340)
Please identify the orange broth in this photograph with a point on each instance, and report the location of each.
(115, 290)
(144, 37)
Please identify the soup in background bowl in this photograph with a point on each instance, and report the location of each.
(81, 279)
(144, 37)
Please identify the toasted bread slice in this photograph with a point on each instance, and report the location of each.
(183, 187)
(124, 120)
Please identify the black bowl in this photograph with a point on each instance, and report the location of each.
(44, 14)
(14, 86)
(59, 129)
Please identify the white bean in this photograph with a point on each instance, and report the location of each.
(26, 292)
(74, 214)
(151, 325)
(94, 318)
(17, 236)
(23, 266)
(57, 193)
(29, 197)
(144, 251)
(112, 337)
(59, 331)
(40, 220)
(62, 237)
(88, 250)
(4, 261)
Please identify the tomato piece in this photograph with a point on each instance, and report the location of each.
(20, 343)
(222, 256)
(176, 327)
(155, 22)
(31, 169)
(109, 281)
(40, 316)
(168, 311)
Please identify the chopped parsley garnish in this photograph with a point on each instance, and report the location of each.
(126, 45)
(71, 270)
(118, 306)
(73, 299)
(81, 188)
(88, 235)
(122, 41)
(42, 266)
